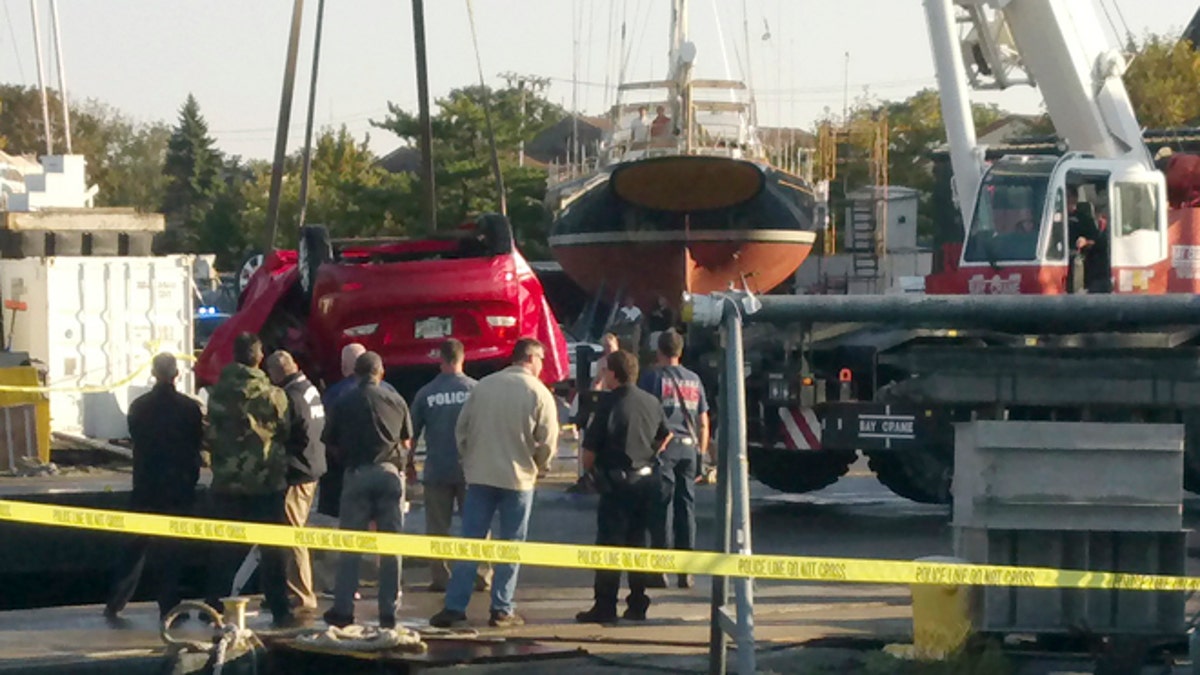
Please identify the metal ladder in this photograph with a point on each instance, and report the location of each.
(864, 239)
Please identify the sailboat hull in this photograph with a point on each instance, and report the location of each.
(659, 227)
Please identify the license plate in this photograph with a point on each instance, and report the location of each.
(433, 328)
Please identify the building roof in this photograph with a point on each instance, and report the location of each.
(404, 159)
(554, 142)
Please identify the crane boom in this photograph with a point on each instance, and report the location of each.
(1064, 49)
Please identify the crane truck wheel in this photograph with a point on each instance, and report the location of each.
(796, 471)
(923, 478)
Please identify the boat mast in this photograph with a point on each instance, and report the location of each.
(37, 47)
(680, 74)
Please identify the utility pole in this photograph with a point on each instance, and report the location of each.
(428, 192)
(537, 84)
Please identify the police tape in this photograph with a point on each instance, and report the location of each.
(92, 388)
(787, 568)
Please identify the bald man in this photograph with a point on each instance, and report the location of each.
(306, 464)
(167, 429)
(331, 483)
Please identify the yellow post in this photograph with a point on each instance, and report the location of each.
(941, 617)
(27, 376)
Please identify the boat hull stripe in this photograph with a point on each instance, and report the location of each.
(755, 236)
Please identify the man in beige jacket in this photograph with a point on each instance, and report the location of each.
(506, 435)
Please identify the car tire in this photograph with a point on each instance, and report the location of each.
(315, 250)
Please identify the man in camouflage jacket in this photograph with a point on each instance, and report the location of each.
(245, 437)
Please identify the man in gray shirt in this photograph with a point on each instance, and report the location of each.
(435, 412)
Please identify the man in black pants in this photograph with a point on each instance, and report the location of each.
(167, 430)
(621, 445)
(247, 434)
(681, 394)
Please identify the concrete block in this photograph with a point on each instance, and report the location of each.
(1068, 476)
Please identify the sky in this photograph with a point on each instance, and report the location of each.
(144, 56)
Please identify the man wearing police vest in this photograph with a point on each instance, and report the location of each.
(435, 412)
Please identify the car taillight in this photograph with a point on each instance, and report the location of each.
(359, 331)
(505, 327)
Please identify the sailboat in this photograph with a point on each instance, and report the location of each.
(684, 201)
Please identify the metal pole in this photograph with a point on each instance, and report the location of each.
(281, 131)
(1033, 314)
(62, 74)
(735, 400)
(717, 651)
(41, 72)
(429, 191)
(312, 104)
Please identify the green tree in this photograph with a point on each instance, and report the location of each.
(348, 192)
(1164, 83)
(124, 158)
(915, 131)
(192, 168)
(462, 156)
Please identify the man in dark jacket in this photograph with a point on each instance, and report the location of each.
(369, 431)
(246, 435)
(167, 430)
(622, 445)
(305, 465)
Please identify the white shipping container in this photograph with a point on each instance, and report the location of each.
(93, 322)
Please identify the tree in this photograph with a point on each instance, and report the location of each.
(348, 192)
(192, 168)
(915, 131)
(1164, 83)
(462, 156)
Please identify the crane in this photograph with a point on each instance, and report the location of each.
(1017, 212)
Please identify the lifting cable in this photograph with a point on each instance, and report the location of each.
(487, 116)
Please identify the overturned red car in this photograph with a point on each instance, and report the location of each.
(398, 297)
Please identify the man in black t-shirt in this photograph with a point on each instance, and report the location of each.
(622, 444)
(369, 432)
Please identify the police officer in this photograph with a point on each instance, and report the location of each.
(435, 412)
(622, 444)
(681, 394)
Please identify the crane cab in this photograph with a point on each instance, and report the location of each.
(1049, 225)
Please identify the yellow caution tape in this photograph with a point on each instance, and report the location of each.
(91, 389)
(789, 568)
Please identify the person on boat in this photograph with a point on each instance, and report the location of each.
(661, 126)
(639, 129)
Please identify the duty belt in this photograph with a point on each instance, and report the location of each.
(683, 440)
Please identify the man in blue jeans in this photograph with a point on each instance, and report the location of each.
(369, 432)
(506, 435)
(683, 401)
